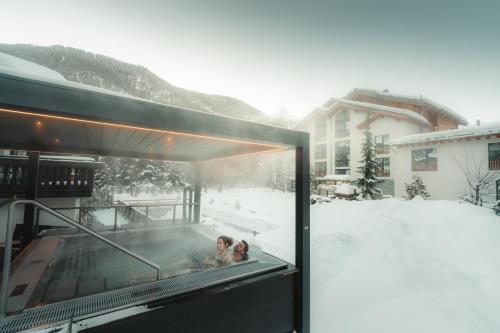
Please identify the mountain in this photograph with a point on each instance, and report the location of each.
(108, 73)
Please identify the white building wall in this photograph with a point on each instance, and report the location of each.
(448, 182)
(382, 126)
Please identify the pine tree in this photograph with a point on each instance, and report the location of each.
(416, 187)
(369, 168)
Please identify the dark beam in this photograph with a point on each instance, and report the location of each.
(32, 170)
(302, 235)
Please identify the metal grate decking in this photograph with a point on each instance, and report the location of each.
(87, 306)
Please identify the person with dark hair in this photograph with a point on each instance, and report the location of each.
(222, 256)
(240, 251)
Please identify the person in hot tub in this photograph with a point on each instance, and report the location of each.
(240, 251)
(222, 256)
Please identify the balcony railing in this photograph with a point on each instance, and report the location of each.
(494, 165)
(384, 173)
(57, 178)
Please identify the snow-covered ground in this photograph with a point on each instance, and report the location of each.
(379, 266)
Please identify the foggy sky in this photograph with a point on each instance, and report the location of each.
(291, 55)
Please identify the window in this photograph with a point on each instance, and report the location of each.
(320, 169)
(342, 124)
(494, 156)
(320, 151)
(424, 159)
(382, 144)
(342, 153)
(384, 164)
(342, 171)
(320, 129)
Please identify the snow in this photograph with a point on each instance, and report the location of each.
(345, 178)
(345, 189)
(399, 111)
(459, 133)
(380, 265)
(68, 158)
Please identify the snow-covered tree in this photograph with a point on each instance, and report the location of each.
(416, 187)
(367, 184)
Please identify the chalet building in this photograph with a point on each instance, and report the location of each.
(445, 160)
(337, 129)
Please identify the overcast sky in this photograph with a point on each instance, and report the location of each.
(287, 54)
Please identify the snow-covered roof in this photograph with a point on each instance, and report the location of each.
(403, 112)
(459, 133)
(14, 66)
(460, 120)
(19, 67)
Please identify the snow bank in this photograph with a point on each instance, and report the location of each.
(404, 266)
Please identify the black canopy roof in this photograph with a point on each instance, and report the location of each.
(62, 116)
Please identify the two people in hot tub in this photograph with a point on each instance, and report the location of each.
(224, 255)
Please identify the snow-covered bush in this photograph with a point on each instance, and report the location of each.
(416, 187)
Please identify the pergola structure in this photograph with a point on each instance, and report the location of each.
(58, 116)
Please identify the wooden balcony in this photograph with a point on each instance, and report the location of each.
(384, 173)
(57, 177)
(494, 164)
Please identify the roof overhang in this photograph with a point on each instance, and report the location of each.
(51, 117)
(418, 100)
(378, 111)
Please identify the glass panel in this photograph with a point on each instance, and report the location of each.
(320, 128)
(149, 208)
(494, 156)
(320, 169)
(342, 124)
(382, 144)
(424, 159)
(320, 151)
(385, 167)
(342, 153)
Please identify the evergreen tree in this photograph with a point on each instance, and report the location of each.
(416, 187)
(369, 168)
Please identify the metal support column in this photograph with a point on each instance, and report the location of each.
(197, 192)
(32, 170)
(302, 235)
(190, 207)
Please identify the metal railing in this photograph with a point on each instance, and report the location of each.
(186, 213)
(8, 246)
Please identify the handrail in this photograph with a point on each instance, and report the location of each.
(8, 201)
(8, 246)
